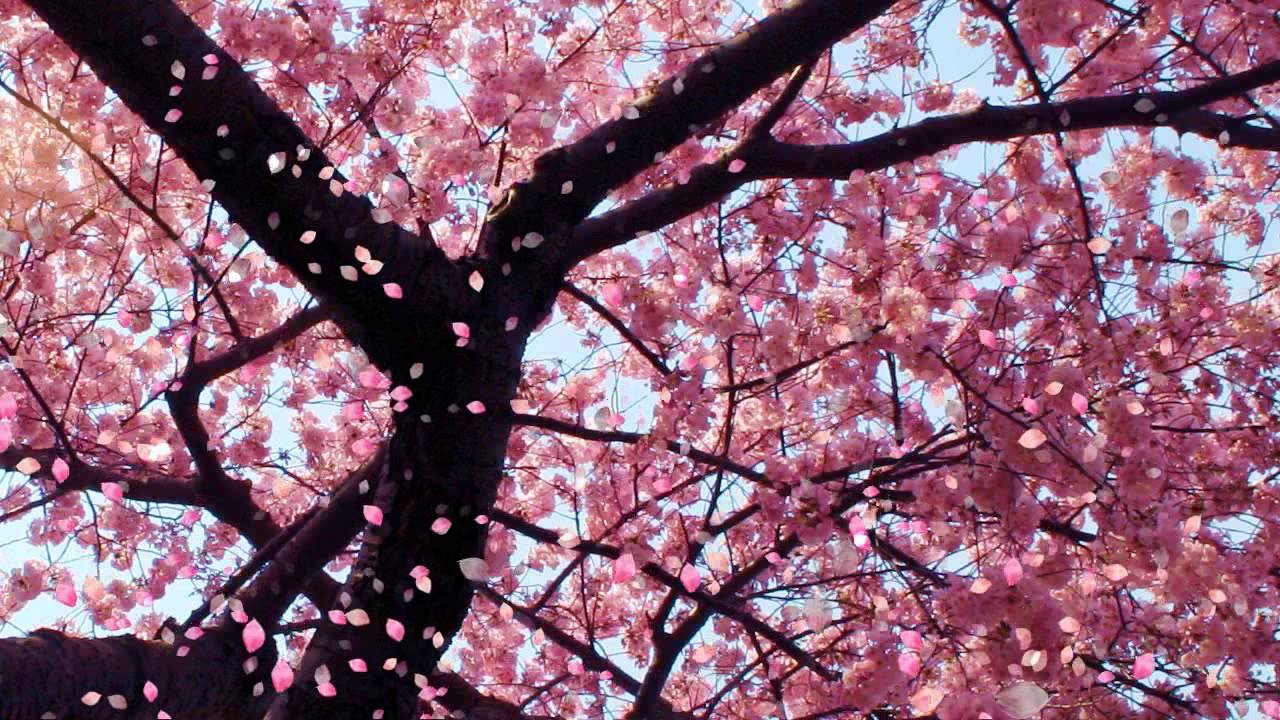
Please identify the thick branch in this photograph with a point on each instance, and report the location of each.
(50, 675)
(707, 88)
(1180, 110)
(226, 128)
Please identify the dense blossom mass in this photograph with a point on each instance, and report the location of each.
(686, 360)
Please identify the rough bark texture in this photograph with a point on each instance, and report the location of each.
(50, 676)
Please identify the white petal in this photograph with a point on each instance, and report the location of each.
(474, 569)
(1023, 700)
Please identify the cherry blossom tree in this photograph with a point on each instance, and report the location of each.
(641, 360)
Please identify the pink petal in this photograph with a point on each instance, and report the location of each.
(1079, 403)
(909, 664)
(988, 338)
(393, 291)
(624, 568)
(373, 514)
(253, 636)
(912, 639)
(65, 593)
(441, 525)
(1106, 676)
(327, 689)
(1143, 666)
(1030, 405)
(1012, 571)
(612, 294)
(358, 665)
(363, 447)
(737, 165)
(337, 617)
(162, 715)
(395, 630)
(461, 329)
(690, 578)
(475, 407)
(60, 470)
(114, 492)
(149, 691)
(281, 676)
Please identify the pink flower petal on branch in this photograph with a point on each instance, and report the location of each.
(65, 593)
(909, 664)
(624, 568)
(912, 639)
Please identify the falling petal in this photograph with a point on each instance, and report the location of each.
(253, 636)
(393, 291)
(1032, 439)
(1022, 700)
(149, 691)
(441, 525)
(1143, 666)
(373, 514)
(1012, 571)
(281, 676)
(1079, 403)
(476, 281)
(624, 568)
(395, 629)
(114, 492)
(474, 569)
(690, 578)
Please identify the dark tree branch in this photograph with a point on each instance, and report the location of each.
(51, 675)
(1180, 110)
(227, 131)
(617, 324)
(709, 87)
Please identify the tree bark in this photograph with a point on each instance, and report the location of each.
(49, 676)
